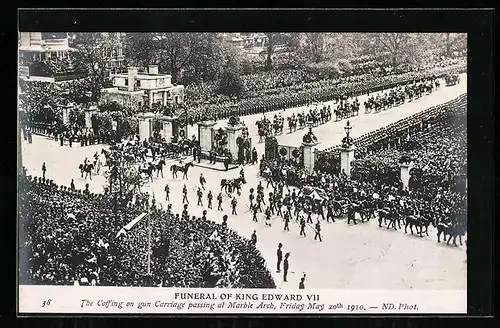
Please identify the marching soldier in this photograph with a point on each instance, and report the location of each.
(219, 199)
(210, 197)
(302, 227)
(254, 210)
(259, 201)
(199, 193)
(202, 181)
(329, 213)
(251, 197)
(268, 217)
(287, 221)
(318, 230)
(351, 215)
(184, 195)
(309, 214)
(234, 202)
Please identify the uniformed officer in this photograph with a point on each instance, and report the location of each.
(184, 195)
(210, 197)
(285, 266)
(318, 231)
(167, 193)
(44, 169)
(254, 209)
(224, 221)
(199, 193)
(234, 202)
(72, 185)
(254, 237)
(219, 199)
(279, 254)
(287, 221)
(202, 181)
(301, 283)
(302, 227)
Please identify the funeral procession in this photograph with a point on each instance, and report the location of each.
(243, 160)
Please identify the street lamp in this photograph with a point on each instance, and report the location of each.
(348, 128)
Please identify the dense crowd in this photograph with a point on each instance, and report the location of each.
(306, 93)
(70, 236)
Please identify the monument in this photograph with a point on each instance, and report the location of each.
(347, 151)
(145, 121)
(309, 143)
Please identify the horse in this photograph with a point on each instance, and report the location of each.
(184, 169)
(158, 167)
(87, 168)
(385, 215)
(417, 222)
(148, 171)
(451, 230)
(230, 184)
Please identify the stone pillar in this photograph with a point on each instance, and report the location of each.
(205, 129)
(233, 132)
(167, 127)
(145, 125)
(66, 110)
(405, 173)
(346, 157)
(88, 116)
(308, 155)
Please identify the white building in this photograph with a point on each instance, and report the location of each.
(46, 57)
(136, 89)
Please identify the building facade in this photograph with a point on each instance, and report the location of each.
(136, 89)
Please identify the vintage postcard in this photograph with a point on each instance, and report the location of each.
(258, 173)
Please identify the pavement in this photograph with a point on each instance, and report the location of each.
(363, 256)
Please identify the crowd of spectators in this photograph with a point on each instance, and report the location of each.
(70, 236)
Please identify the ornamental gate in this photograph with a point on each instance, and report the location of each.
(283, 152)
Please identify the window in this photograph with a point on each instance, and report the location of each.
(126, 81)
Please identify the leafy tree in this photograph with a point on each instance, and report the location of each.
(401, 47)
(315, 45)
(231, 83)
(273, 40)
(454, 42)
(90, 56)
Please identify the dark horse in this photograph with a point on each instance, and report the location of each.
(158, 167)
(231, 184)
(148, 171)
(87, 168)
(184, 169)
(451, 230)
(390, 216)
(417, 222)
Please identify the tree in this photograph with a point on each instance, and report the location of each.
(231, 83)
(273, 39)
(454, 42)
(315, 45)
(90, 56)
(400, 46)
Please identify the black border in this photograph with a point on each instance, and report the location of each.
(478, 23)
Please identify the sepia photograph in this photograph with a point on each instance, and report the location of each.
(273, 161)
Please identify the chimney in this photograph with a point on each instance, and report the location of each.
(132, 73)
(153, 69)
